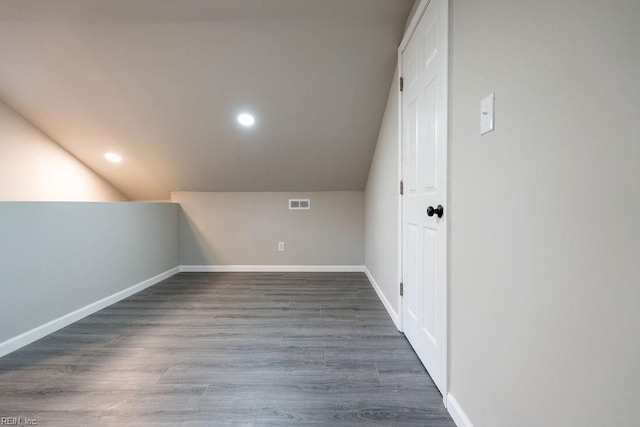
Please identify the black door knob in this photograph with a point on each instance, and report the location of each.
(438, 211)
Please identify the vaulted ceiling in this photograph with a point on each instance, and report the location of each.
(161, 83)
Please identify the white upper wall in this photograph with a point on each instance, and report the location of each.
(34, 168)
(544, 230)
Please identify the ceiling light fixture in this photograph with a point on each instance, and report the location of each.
(113, 157)
(246, 119)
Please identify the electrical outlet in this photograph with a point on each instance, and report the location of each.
(280, 246)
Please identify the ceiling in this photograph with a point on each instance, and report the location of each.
(161, 83)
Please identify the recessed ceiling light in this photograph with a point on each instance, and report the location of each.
(113, 157)
(246, 119)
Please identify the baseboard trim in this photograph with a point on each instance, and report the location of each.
(272, 268)
(456, 412)
(392, 312)
(26, 338)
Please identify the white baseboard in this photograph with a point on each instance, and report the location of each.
(392, 312)
(456, 412)
(272, 268)
(13, 344)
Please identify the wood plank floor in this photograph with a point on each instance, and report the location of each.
(255, 349)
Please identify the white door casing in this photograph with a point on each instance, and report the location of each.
(424, 65)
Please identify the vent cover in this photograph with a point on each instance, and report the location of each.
(299, 204)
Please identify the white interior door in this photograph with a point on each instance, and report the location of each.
(424, 166)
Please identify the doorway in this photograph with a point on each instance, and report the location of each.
(423, 61)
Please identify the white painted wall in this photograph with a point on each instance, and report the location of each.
(381, 206)
(34, 168)
(412, 12)
(56, 258)
(545, 294)
(244, 228)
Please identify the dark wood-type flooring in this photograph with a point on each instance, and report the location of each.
(206, 349)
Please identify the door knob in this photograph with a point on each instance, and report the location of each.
(438, 211)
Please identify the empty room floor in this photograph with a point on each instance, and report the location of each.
(255, 349)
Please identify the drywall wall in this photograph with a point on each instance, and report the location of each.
(56, 257)
(381, 206)
(36, 168)
(544, 287)
(244, 228)
(412, 13)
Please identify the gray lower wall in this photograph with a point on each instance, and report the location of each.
(57, 257)
(244, 228)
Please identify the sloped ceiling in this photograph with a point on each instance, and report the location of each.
(161, 83)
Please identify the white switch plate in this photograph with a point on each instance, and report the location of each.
(487, 114)
(280, 246)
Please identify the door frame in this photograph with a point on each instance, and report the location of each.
(409, 32)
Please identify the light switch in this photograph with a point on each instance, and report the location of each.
(487, 115)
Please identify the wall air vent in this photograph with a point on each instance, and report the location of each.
(299, 204)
